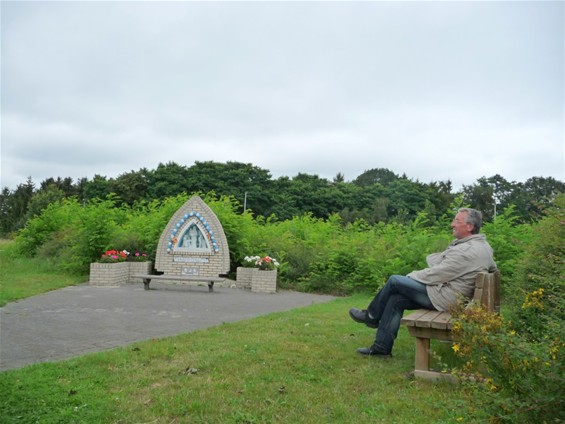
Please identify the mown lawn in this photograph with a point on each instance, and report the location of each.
(298, 366)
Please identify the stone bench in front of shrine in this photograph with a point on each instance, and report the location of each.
(176, 279)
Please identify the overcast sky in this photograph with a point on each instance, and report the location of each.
(447, 90)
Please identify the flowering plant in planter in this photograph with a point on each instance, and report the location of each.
(265, 263)
(112, 256)
(138, 257)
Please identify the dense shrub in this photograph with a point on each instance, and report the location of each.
(75, 235)
(509, 378)
(323, 255)
(40, 229)
(509, 240)
(538, 297)
(240, 229)
(295, 243)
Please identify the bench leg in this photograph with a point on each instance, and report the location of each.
(211, 286)
(422, 363)
(146, 282)
(422, 359)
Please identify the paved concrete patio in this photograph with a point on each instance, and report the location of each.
(81, 319)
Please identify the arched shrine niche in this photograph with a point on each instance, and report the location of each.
(193, 243)
(192, 240)
(192, 234)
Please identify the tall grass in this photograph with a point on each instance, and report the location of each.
(24, 277)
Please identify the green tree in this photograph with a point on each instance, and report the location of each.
(43, 198)
(98, 188)
(310, 193)
(6, 215)
(534, 196)
(17, 205)
(406, 199)
(531, 198)
(64, 184)
(377, 175)
(480, 195)
(440, 195)
(339, 178)
(132, 186)
(234, 179)
(167, 180)
(501, 192)
(284, 206)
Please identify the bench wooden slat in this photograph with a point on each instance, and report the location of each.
(442, 321)
(426, 319)
(479, 283)
(410, 320)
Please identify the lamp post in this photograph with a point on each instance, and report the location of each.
(245, 202)
(494, 198)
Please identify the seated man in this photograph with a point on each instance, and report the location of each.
(450, 276)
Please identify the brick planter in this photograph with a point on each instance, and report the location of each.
(264, 281)
(257, 280)
(244, 277)
(108, 274)
(138, 268)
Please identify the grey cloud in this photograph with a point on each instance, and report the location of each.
(406, 83)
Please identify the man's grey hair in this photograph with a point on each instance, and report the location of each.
(474, 217)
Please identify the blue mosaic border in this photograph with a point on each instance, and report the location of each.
(203, 221)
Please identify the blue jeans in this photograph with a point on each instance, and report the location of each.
(398, 294)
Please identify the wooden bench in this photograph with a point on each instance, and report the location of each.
(148, 277)
(425, 324)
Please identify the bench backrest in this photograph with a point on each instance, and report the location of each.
(487, 290)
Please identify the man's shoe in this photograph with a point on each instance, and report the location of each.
(371, 351)
(362, 316)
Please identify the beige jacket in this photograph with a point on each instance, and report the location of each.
(451, 274)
